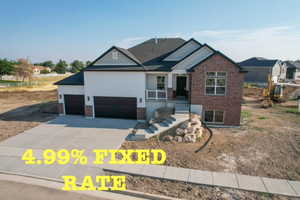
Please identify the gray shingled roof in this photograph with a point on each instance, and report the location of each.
(257, 62)
(75, 79)
(155, 48)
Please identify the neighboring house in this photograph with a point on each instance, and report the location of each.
(162, 72)
(288, 71)
(258, 69)
(37, 69)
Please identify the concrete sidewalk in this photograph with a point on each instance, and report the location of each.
(230, 180)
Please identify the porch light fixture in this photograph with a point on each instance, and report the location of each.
(88, 98)
(141, 100)
(60, 96)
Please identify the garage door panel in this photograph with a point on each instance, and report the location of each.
(74, 104)
(115, 107)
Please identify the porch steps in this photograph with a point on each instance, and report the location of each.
(181, 108)
(157, 128)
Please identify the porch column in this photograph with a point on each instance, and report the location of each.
(170, 86)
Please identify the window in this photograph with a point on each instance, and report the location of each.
(115, 55)
(160, 82)
(215, 83)
(214, 116)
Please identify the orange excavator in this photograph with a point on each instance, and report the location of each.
(272, 93)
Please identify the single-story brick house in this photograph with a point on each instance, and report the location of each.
(160, 72)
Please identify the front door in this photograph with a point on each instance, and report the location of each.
(181, 86)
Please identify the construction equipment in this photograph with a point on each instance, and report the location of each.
(272, 93)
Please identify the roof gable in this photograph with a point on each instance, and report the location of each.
(212, 55)
(193, 58)
(122, 57)
(183, 50)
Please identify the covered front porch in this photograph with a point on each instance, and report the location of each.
(167, 86)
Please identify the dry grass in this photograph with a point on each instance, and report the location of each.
(38, 84)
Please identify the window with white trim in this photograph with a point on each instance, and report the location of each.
(160, 82)
(214, 116)
(115, 55)
(215, 83)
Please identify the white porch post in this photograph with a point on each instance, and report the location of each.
(170, 86)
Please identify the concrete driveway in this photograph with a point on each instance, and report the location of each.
(66, 132)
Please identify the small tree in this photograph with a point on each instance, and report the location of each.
(61, 67)
(6, 67)
(48, 63)
(24, 69)
(87, 63)
(76, 66)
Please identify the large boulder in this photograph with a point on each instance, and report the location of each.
(167, 138)
(190, 138)
(180, 132)
(191, 129)
(178, 138)
(199, 132)
(186, 124)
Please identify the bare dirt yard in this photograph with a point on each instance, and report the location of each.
(266, 144)
(21, 110)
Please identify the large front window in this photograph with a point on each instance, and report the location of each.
(160, 82)
(215, 83)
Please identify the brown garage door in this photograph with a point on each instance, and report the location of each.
(74, 104)
(115, 107)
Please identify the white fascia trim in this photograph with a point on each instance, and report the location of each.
(181, 71)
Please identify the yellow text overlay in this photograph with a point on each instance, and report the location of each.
(95, 183)
(78, 156)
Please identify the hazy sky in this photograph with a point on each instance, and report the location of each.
(52, 30)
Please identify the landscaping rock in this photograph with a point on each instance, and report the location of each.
(189, 138)
(191, 129)
(185, 125)
(180, 132)
(178, 139)
(199, 133)
(167, 138)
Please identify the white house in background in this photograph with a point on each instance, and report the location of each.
(288, 71)
(161, 72)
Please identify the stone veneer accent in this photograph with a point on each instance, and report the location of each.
(230, 103)
(60, 108)
(88, 111)
(141, 113)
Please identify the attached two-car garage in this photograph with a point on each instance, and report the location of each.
(113, 107)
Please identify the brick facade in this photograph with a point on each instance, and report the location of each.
(88, 111)
(230, 103)
(141, 113)
(60, 108)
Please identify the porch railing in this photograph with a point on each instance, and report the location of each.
(156, 94)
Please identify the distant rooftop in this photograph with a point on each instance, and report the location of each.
(258, 62)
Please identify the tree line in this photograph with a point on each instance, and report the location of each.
(24, 69)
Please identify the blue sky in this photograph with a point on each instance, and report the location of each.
(43, 30)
